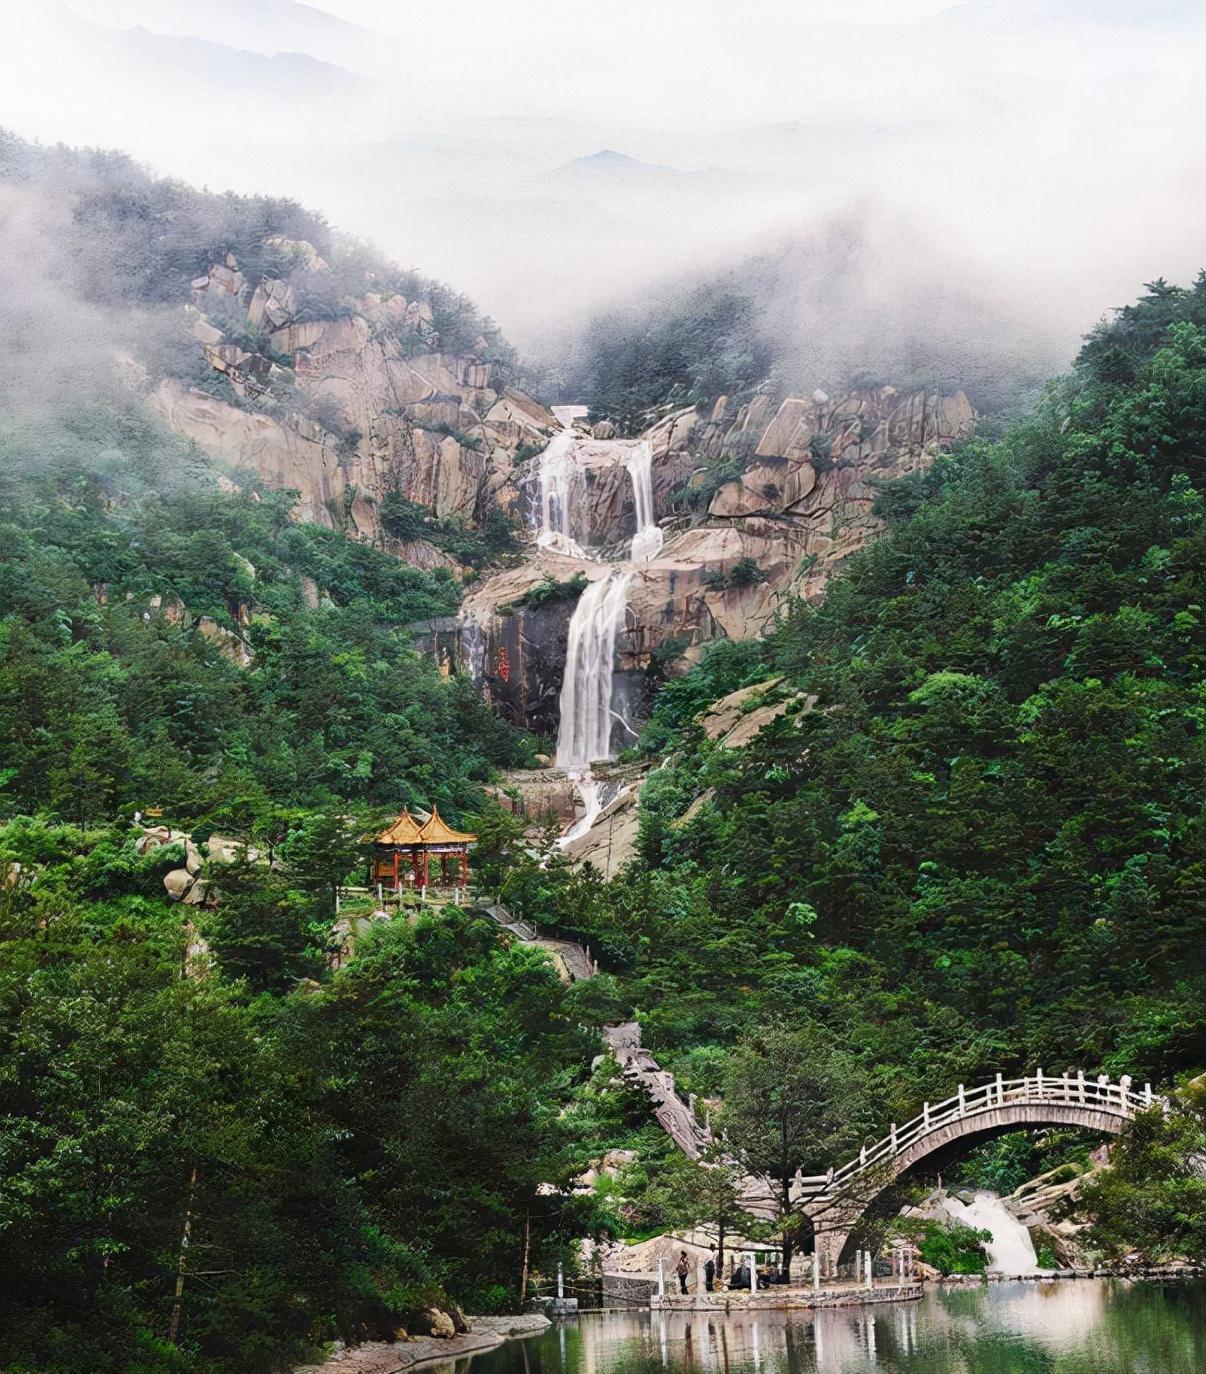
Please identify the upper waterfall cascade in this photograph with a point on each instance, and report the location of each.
(648, 539)
(556, 477)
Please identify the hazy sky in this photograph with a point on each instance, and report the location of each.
(388, 16)
(1050, 147)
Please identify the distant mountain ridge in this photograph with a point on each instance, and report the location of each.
(268, 27)
(615, 172)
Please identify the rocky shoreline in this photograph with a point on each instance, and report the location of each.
(1149, 1274)
(396, 1357)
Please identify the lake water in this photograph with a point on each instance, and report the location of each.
(1083, 1326)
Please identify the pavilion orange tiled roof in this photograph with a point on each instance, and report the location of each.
(405, 830)
(438, 831)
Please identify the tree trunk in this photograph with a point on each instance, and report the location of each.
(527, 1250)
(720, 1235)
(182, 1261)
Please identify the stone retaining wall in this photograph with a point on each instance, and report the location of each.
(792, 1298)
(635, 1290)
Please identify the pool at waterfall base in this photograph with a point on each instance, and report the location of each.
(1095, 1326)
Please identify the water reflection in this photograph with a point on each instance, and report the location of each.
(1078, 1327)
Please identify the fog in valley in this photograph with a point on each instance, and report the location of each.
(952, 192)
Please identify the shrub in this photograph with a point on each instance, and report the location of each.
(549, 590)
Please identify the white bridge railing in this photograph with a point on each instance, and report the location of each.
(1069, 1089)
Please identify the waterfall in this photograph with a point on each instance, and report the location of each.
(584, 734)
(556, 478)
(1011, 1251)
(647, 541)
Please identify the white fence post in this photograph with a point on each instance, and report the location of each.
(1038, 1083)
(1000, 1091)
(816, 1272)
(962, 1101)
(661, 1278)
(892, 1137)
(1147, 1094)
(925, 1116)
(753, 1273)
(1080, 1085)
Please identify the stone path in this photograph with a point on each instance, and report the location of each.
(573, 960)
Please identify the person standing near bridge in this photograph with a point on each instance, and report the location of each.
(682, 1269)
(710, 1269)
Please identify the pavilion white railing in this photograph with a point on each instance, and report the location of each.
(1072, 1089)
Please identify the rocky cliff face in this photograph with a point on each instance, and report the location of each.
(756, 501)
(349, 402)
(349, 395)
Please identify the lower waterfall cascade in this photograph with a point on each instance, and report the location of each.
(584, 734)
(1010, 1251)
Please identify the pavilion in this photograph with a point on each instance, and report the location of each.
(402, 854)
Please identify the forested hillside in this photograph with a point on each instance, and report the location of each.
(968, 837)
(168, 643)
(175, 641)
(972, 839)
(820, 309)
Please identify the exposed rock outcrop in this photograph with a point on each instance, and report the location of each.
(353, 398)
(781, 519)
(738, 718)
(351, 405)
(611, 841)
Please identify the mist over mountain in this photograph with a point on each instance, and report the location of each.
(856, 302)
(589, 168)
(502, 780)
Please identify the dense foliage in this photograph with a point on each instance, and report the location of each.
(167, 643)
(1153, 1198)
(336, 1153)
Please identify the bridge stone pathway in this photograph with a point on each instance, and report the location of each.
(835, 1201)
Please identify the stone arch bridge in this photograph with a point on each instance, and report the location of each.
(836, 1201)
